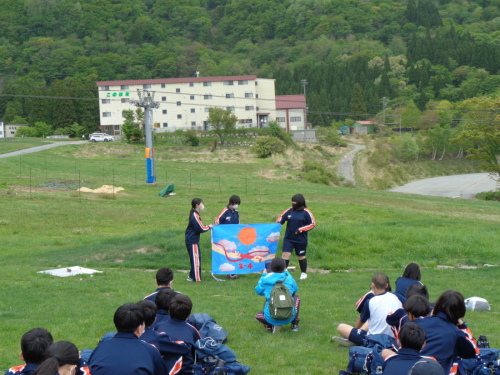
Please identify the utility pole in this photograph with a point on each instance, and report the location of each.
(146, 100)
(304, 84)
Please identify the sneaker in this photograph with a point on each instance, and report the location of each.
(303, 276)
(276, 329)
(342, 341)
(295, 328)
(234, 277)
(268, 327)
(189, 279)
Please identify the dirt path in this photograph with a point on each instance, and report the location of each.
(346, 166)
(40, 148)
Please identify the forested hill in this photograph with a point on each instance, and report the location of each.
(352, 53)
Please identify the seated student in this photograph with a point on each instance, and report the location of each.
(34, 345)
(374, 314)
(264, 288)
(62, 359)
(171, 351)
(178, 328)
(125, 353)
(411, 275)
(415, 307)
(164, 280)
(162, 301)
(426, 366)
(360, 304)
(411, 340)
(447, 334)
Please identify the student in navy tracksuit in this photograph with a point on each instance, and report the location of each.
(193, 230)
(411, 275)
(34, 345)
(300, 221)
(62, 358)
(229, 215)
(447, 334)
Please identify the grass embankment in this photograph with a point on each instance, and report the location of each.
(45, 224)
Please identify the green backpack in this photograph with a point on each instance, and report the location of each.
(281, 302)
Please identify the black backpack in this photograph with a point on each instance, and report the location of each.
(281, 301)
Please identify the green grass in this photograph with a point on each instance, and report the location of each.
(132, 235)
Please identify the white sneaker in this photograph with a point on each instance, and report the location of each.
(303, 276)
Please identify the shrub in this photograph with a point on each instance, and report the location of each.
(191, 138)
(266, 146)
(332, 137)
(316, 177)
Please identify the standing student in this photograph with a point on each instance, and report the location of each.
(229, 215)
(300, 221)
(193, 230)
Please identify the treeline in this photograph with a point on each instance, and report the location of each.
(352, 54)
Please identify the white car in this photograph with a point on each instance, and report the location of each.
(100, 137)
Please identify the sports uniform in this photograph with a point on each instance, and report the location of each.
(402, 285)
(228, 216)
(26, 369)
(194, 229)
(171, 351)
(152, 297)
(402, 362)
(125, 354)
(444, 340)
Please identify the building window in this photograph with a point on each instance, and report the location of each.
(106, 114)
(104, 88)
(249, 95)
(178, 103)
(148, 86)
(207, 109)
(193, 110)
(207, 96)
(295, 119)
(230, 109)
(228, 83)
(256, 83)
(165, 124)
(177, 90)
(256, 108)
(207, 83)
(193, 123)
(249, 108)
(125, 100)
(243, 82)
(191, 84)
(163, 86)
(163, 98)
(106, 101)
(179, 116)
(164, 112)
(280, 119)
(229, 96)
(124, 87)
(191, 97)
(256, 96)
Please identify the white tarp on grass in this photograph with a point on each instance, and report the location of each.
(70, 271)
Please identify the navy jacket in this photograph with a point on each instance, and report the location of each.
(194, 228)
(402, 285)
(299, 222)
(228, 216)
(402, 362)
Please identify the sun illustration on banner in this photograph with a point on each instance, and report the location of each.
(247, 236)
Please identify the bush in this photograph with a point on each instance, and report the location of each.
(266, 146)
(191, 138)
(489, 196)
(332, 138)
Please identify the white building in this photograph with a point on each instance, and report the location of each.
(291, 112)
(184, 102)
(2, 132)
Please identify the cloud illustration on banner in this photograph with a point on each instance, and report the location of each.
(274, 237)
(226, 267)
(228, 245)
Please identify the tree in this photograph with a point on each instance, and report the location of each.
(222, 122)
(410, 116)
(481, 133)
(75, 130)
(43, 129)
(131, 127)
(358, 107)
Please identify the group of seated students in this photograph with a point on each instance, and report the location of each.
(422, 332)
(139, 346)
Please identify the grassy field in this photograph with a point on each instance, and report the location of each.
(45, 223)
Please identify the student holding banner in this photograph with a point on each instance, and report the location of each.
(229, 215)
(194, 229)
(300, 221)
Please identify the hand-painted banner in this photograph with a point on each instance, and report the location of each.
(243, 248)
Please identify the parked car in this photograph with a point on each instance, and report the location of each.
(100, 137)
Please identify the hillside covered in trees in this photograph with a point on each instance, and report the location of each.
(422, 55)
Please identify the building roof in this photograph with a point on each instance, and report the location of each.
(366, 122)
(290, 101)
(175, 80)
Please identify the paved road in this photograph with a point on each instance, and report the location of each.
(40, 148)
(346, 167)
(458, 186)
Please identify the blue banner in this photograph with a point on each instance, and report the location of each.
(243, 248)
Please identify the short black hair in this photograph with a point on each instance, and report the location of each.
(380, 280)
(59, 353)
(164, 276)
(417, 289)
(417, 306)
(149, 310)
(300, 202)
(128, 317)
(412, 336)
(164, 297)
(34, 345)
(412, 271)
(452, 304)
(278, 265)
(180, 307)
(234, 199)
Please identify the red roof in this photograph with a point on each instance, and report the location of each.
(290, 101)
(175, 80)
(366, 122)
